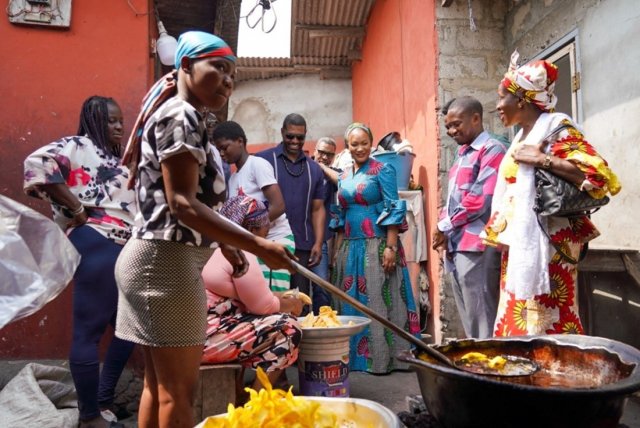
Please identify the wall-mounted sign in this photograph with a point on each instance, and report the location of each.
(48, 13)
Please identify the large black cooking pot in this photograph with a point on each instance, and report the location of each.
(583, 382)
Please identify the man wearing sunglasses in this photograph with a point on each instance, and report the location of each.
(302, 183)
(324, 154)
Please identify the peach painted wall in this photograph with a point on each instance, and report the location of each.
(395, 89)
(46, 75)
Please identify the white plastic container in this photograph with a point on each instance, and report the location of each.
(323, 367)
(323, 359)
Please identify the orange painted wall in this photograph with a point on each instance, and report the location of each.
(395, 89)
(46, 75)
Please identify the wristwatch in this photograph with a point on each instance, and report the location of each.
(546, 164)
(393, 247)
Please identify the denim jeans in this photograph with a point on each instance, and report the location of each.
(320, 296)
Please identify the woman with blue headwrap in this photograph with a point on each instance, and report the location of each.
(178, 179)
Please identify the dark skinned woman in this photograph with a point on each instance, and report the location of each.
(370, 265)
(538, 290)
(179, 184)
(82, 178)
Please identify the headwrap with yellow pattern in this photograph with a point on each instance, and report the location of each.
(533, 82)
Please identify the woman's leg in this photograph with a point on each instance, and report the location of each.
(95, 298)
(114, 363)
(149, 407)
(176, 370)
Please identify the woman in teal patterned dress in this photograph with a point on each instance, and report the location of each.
(370, 264)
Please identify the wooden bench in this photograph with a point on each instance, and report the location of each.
(215, 390)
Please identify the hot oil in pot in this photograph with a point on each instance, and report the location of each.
(554, 373)
(552, 379)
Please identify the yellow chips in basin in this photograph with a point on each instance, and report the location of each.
(327, 317)
(274, 408)
(493, 363)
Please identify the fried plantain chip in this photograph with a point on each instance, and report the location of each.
(274, 408)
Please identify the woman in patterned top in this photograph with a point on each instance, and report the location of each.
(538, 286)
(178, 180)
(370, 264)
(82, 178)
(248, 322)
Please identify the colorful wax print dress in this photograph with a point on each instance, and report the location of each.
(367, 203)
(557, 311)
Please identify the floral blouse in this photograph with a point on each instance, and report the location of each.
(176, 127)
(368, 202)
(96, 178)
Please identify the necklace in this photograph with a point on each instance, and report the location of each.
(286, 166)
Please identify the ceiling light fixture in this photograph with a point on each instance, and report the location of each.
(165, 45)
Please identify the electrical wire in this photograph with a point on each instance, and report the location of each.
(135, 11)
(11, 14)
(266, 5)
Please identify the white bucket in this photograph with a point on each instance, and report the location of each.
(323, 367)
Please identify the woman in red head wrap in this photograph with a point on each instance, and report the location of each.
(539, 260)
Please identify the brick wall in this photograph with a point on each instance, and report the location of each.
(470, 63)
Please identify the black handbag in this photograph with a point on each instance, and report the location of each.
(558, 197)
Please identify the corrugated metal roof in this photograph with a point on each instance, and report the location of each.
(220, 17)
(217, 16)
(326, 36)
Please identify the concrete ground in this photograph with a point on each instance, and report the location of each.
(392, 390)
(389, 390)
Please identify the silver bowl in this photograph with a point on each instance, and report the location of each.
(345, 330)
(351, 412)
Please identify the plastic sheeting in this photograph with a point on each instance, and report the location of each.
(37, 261)
(39, 396)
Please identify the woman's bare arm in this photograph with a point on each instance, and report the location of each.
(180, 175)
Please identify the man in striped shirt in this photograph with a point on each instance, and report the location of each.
(472, 178)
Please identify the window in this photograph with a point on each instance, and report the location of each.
(564, 55)
(568, 82)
